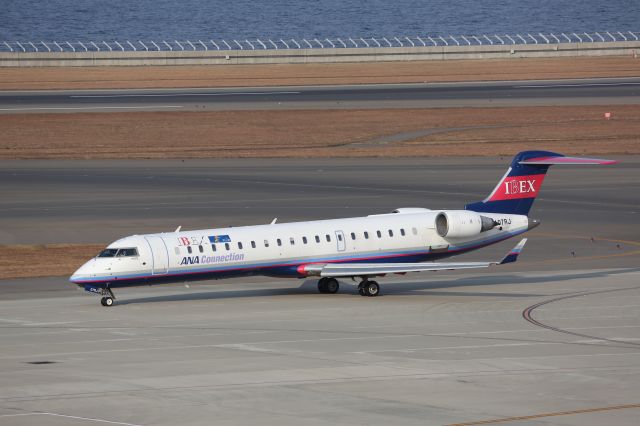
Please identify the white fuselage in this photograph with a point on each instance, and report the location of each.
(407, 235)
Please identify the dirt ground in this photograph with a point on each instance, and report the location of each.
(316, 74)
(321, 133)
(28, 261)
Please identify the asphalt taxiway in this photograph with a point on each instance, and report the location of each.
(600, 91)
(552, 339)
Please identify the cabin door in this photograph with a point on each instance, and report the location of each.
(159, 255)
(340, 241)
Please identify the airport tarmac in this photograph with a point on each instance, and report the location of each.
(552, 339)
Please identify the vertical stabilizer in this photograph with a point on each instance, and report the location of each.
(520, 186)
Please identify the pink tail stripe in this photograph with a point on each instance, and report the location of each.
(566, 160)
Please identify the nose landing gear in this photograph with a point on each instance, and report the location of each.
(107, 295)
(106, 301)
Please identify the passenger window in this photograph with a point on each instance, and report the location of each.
(339, 237)
(279, 241)
(328, 238)
(317, 239)
(390, 233)
(240, 245)
(402, 231)
(292, 241)
(189, 249)
(266, 243)
(253, 244)
(366, 235)
(415, 231)
(304, 240)
(379, 234)
(353, 235)
(213, 247)
(227, 246)
(201, 249)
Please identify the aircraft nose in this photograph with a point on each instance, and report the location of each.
(82, 272)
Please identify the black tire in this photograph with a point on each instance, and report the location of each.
(103, 301)
(322, 285)
(332, 286)
(108, 301)
(372, 289)
(361, 289)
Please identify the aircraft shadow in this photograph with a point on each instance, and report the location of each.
(418, 288)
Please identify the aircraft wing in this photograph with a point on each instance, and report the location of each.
(337, 270)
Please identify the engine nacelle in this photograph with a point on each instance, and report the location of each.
(462, 223)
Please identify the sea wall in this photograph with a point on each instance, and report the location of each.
(328, 55)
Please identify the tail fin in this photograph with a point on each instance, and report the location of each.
(519, 187)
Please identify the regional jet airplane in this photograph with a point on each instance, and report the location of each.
(360, 248)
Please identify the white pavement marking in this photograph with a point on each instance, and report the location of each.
(436, 348)
(15, 321)
(91, 108)
(212, 346)
(70, 417)
(160, 95)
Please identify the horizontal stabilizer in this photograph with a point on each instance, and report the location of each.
(552, 160)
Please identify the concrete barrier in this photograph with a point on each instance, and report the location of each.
(292, 56)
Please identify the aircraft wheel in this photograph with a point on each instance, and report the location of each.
(361, 289)
(332, 286)
(106, 301)
(322, 285)
(371, 288)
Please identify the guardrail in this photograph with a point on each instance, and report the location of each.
(315, 43)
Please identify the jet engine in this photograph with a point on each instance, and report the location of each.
(462, 223)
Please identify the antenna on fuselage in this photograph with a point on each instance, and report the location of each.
(178, 228)
(273, 222)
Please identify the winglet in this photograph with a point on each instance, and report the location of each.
(512, 256)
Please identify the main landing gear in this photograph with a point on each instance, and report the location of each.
(328, 285)
(368, 288)
(365, 288)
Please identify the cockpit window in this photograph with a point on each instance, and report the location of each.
(114, 252)
(108, 253)
(125, 252)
